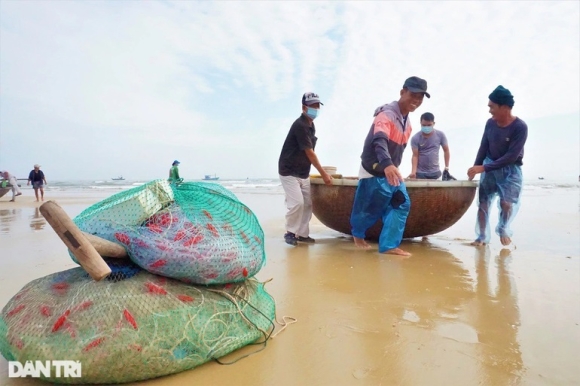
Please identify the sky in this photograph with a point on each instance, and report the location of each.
(95, 89)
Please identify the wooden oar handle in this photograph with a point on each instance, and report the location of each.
(106, 248)
(75, 240)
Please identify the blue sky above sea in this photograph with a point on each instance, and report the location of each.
(92, 90)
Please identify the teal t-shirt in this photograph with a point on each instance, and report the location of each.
(174, 173)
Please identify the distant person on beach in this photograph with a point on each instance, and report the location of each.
(174, 172)
(499, 159)
(296, 157)
(36, 176)
(425, 146)
(381, 191)
(12, 179)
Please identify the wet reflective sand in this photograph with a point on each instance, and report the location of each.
(451, 314)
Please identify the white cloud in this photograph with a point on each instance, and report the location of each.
(220, 81)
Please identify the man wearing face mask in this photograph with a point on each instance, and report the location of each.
(425, 146)
(381, 192)
(296, 157)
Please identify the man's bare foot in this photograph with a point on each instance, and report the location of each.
(19, 194)
(505, 240)
(361, 243)
(11, 200)
(477, 243)
(397, 251)
(37, 200)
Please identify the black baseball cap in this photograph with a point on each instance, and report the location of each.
(416, 84)
(310, 98)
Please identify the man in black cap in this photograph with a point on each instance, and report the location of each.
(296, 157)
(381, 192)
(499, 159)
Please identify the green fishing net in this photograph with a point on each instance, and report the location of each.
(184, 297)
(133, 325)
(195, 232)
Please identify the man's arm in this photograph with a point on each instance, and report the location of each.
(385, 129)
(305, 144)
(483, 147)
(445, 146)
(314, 161)
(382, 130)
(481, 154)
(446, 155)
(414, 162)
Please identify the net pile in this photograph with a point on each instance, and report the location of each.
(133, 325)
(195, 232)
(184, 297)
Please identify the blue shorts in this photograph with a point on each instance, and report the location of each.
(37, 184)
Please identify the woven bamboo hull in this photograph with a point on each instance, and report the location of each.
(435, 205)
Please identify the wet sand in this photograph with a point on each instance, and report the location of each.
(452, 314)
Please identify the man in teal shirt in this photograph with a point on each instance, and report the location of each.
(174, 172)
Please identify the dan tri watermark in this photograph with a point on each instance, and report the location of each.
(48, 369)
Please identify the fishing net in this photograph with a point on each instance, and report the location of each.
(133, 325)
(194, 232)
(506, 183)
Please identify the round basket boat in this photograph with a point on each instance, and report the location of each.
(435, 205)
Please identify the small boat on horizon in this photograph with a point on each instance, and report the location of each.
(120, 178)
(540, 178)
(209, 177)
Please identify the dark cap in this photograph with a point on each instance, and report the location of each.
(310, 98)
(416, 84)
(502, 96)
(176, 162)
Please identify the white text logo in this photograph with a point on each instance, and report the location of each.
(48, 369)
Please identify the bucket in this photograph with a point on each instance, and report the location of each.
(330, 169)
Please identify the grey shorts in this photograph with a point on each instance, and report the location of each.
(429, 176)
(37, 184)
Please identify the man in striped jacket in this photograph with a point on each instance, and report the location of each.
(381, 192)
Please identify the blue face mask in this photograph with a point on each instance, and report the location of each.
(426, 129)
(312, 113)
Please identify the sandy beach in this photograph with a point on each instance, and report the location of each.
(452, 314)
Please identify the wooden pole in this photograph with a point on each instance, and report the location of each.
(106, 248)
(75, 240)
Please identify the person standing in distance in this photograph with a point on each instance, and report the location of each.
(296, 158)
(174, 172)
(36, 177)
